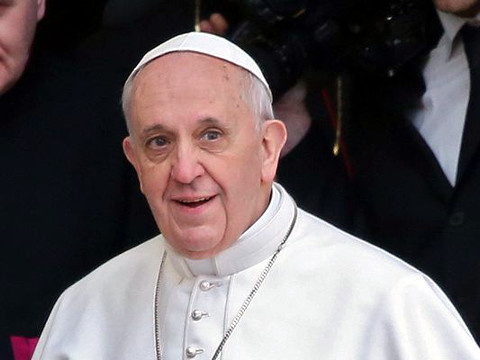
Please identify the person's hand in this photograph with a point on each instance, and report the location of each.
(291, 109)
(215, 24)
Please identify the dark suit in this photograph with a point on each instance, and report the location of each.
(412, 209)
(69, 199)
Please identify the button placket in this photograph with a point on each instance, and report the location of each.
(205, 317)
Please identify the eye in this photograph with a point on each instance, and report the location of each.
(157, 142)
(211, 135)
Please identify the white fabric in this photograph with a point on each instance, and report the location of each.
(329, 296)
(441, 117)
(207, 44)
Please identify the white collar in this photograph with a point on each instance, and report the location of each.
(452, 25)
(255, 245)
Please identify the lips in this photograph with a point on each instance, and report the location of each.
(196, 202)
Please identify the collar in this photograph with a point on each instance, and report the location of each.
(256, 244)
(452, 25)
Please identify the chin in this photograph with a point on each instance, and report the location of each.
(467, 8)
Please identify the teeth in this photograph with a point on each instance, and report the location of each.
(194, 201)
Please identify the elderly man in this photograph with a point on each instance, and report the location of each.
(239, 272)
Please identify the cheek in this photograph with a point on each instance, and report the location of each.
(17, 31)
(242, 181)
(153, 182)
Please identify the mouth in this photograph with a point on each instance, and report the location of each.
(194, 203)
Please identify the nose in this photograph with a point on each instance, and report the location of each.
(186, 166)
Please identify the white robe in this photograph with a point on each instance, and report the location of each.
(329, 296)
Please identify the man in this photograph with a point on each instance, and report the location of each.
(239, 272)
(69, 199)
(418, 169)
(17, 29)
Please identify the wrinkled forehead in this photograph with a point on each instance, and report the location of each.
(182, 66)
(186, 83)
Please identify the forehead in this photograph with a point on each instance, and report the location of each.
(188, 85)
(185, 69)
(20, 5)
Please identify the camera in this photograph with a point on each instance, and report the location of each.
(287, 36)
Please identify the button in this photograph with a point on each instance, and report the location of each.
(457, 218)
(206, 285)
(198, 314)
(192, 351)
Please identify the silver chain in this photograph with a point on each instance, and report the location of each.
(245, 304)
(158, 347)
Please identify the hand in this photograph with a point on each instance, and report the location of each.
(291, 109)
(216, 24)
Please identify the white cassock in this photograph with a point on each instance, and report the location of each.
(328, 296)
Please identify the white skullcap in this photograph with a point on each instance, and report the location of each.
(208, 44)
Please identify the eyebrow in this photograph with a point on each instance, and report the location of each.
(160, 128)
(210, 121)
(153, 129)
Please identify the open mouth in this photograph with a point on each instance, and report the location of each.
(196, 202)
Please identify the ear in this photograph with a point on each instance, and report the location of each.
(129, 151)
(274, 138)
(40, 9)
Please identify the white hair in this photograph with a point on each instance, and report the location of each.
(254, 94)
(257, 98)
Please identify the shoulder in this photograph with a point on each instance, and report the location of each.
(360, 274)
(316, 248)
(129, 271)
(113, 302)
(327, 248)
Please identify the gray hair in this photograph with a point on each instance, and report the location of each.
(254, 94)
(257, 98)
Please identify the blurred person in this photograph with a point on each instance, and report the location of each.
(205, 146)
(416, 146)
(18, 22)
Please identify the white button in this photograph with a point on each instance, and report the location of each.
(207, 285)
(192, 351)
(198, 314)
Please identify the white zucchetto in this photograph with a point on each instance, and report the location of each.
(207, 44)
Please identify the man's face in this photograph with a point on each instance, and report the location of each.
(465, 8)
(18, 20)
(204, 167)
